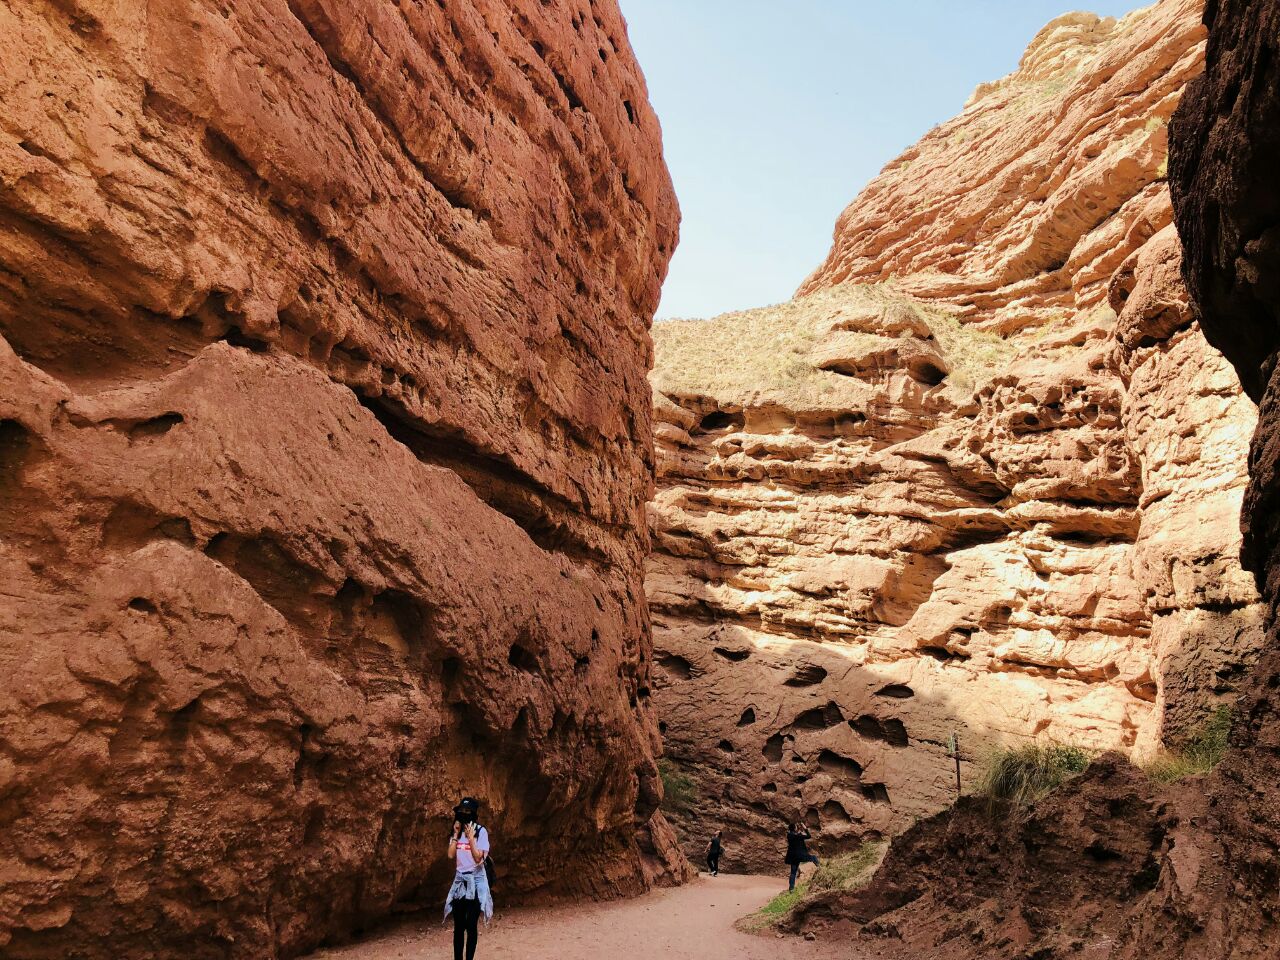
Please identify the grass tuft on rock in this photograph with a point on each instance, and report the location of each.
(1203, 751)
(1022, 775)
(679, 790)
(845, 871)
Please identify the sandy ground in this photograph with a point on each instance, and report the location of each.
(693, 921)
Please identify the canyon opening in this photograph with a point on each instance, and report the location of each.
(369, 549)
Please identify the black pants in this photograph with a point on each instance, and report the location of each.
(713, 862)
(466, 917)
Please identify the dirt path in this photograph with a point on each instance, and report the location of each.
(694, 922)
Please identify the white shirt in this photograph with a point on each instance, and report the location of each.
(467, 863)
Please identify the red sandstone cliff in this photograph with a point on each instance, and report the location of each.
(324, 441)
(981, 474)
(1110, 867)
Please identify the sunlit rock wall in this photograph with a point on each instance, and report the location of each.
(324, 445)
(980, 477)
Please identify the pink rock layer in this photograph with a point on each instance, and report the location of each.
(325, 445)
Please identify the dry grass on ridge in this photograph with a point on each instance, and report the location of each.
(754, 357)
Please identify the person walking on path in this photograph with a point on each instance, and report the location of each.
(798, 850)
(469, 896)
(714, 849)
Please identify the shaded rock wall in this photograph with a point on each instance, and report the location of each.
(324, 446)
(1190, 870)
(981, 476)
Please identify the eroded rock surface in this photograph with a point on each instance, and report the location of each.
(324, 441)
(981, 476)
(1190, 870)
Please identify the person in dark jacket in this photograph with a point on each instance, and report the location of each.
(714, 849)
(798, 850)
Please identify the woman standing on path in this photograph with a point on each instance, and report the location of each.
(798, 850)
(469, 896)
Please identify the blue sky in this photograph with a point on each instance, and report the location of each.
(775, 113)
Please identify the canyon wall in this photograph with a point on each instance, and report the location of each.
(324, 449)
(980, 477)
(1112, 866)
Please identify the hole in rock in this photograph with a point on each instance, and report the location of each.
(130, 526)
(806, 675)
(19, 450)
(898, 691)
(581, 664)
(631, 112)
(839, 767)
(1100, 853)
(875, 792)
(719, 420)
(142, 605)
(819, 718)
(662, 726)
(726, 746)
(772, 749)
(770, 788)
(748, 717)
(522, 659)
(676, 666)
(733, 656)
(929, 374)
(943, 655)
(890, 731)
(832, 812)
(156, 426)
(812, 820)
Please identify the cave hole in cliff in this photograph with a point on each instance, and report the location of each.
(720, 421)
(838, 766)
(875, 792)
(675, 665)
(522, 659)
(130, 526)
(944, 654)
(819, 718)
(812, 820)
(834, 813)
(733, 656)
(20, 449)
(142, 605)
(806, 675)
(726, 746)
(772, 749)
(926, 372)
(748, 717)
(897, 691)
(770, 788)
(891, 731)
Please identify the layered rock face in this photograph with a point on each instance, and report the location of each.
(1144, 873)
(980, 477)
(324, 445)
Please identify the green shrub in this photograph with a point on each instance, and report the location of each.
(679, 791)
(1023, 775)
(1204, 749)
